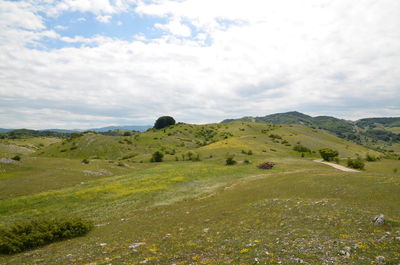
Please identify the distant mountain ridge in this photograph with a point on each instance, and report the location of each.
(139, 128)
(366, 131)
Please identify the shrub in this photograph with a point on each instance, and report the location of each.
(247, 152)
(163, 122)
(246, 161)
(328, 154)
(85, 161)
(230, 161)
(36, 233)
(357, 163)
(301, 148)
(157, 157)
(370, 158)
(196, 158)
(16, 158)
(275, 136)
(266, 165)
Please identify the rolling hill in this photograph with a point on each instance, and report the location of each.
(378, 133)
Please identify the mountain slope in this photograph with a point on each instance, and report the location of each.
(378, 133)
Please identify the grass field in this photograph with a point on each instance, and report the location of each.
(205, 212)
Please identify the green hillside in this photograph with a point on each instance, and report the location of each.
(192, 208)
(381, 134)
(181, 138)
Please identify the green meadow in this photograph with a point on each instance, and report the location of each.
(192, 208)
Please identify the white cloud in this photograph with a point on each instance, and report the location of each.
(93, 6)
(103, 19)
(19, 15)
(176, 28)
(245, 58)
(61, 27)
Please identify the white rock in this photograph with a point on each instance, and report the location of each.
(135, 245)
(298, 260)
(379, 219)
(380, 260)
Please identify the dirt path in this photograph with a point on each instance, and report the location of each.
(342, 168)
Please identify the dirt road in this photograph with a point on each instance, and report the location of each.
(342, 168)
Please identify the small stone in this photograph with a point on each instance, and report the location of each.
(380, 260)
(344, 253)
(397, 238)
(103, 244)
(298, 260)
(379, 220)
(135, 245)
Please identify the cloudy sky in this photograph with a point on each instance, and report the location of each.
(92, 63)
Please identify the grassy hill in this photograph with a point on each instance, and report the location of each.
(381, 134)
(181, 138)
(201, 211)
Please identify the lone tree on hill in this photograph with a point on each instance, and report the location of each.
(328, 154)
(163, 122)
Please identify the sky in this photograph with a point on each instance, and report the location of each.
(92, 63)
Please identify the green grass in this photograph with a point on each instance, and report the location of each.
(206, 212)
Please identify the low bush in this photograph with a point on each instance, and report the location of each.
(16, 158)
(85, 161)
(157, 157)
(301, 148)
(357, 163)
(275, 136)
(250, 152)
(36, 233)
(230, 161)
(266, 165)
(371, 158)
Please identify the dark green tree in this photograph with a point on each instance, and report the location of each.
(157, 157)
(328, 154)
(163, 122)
